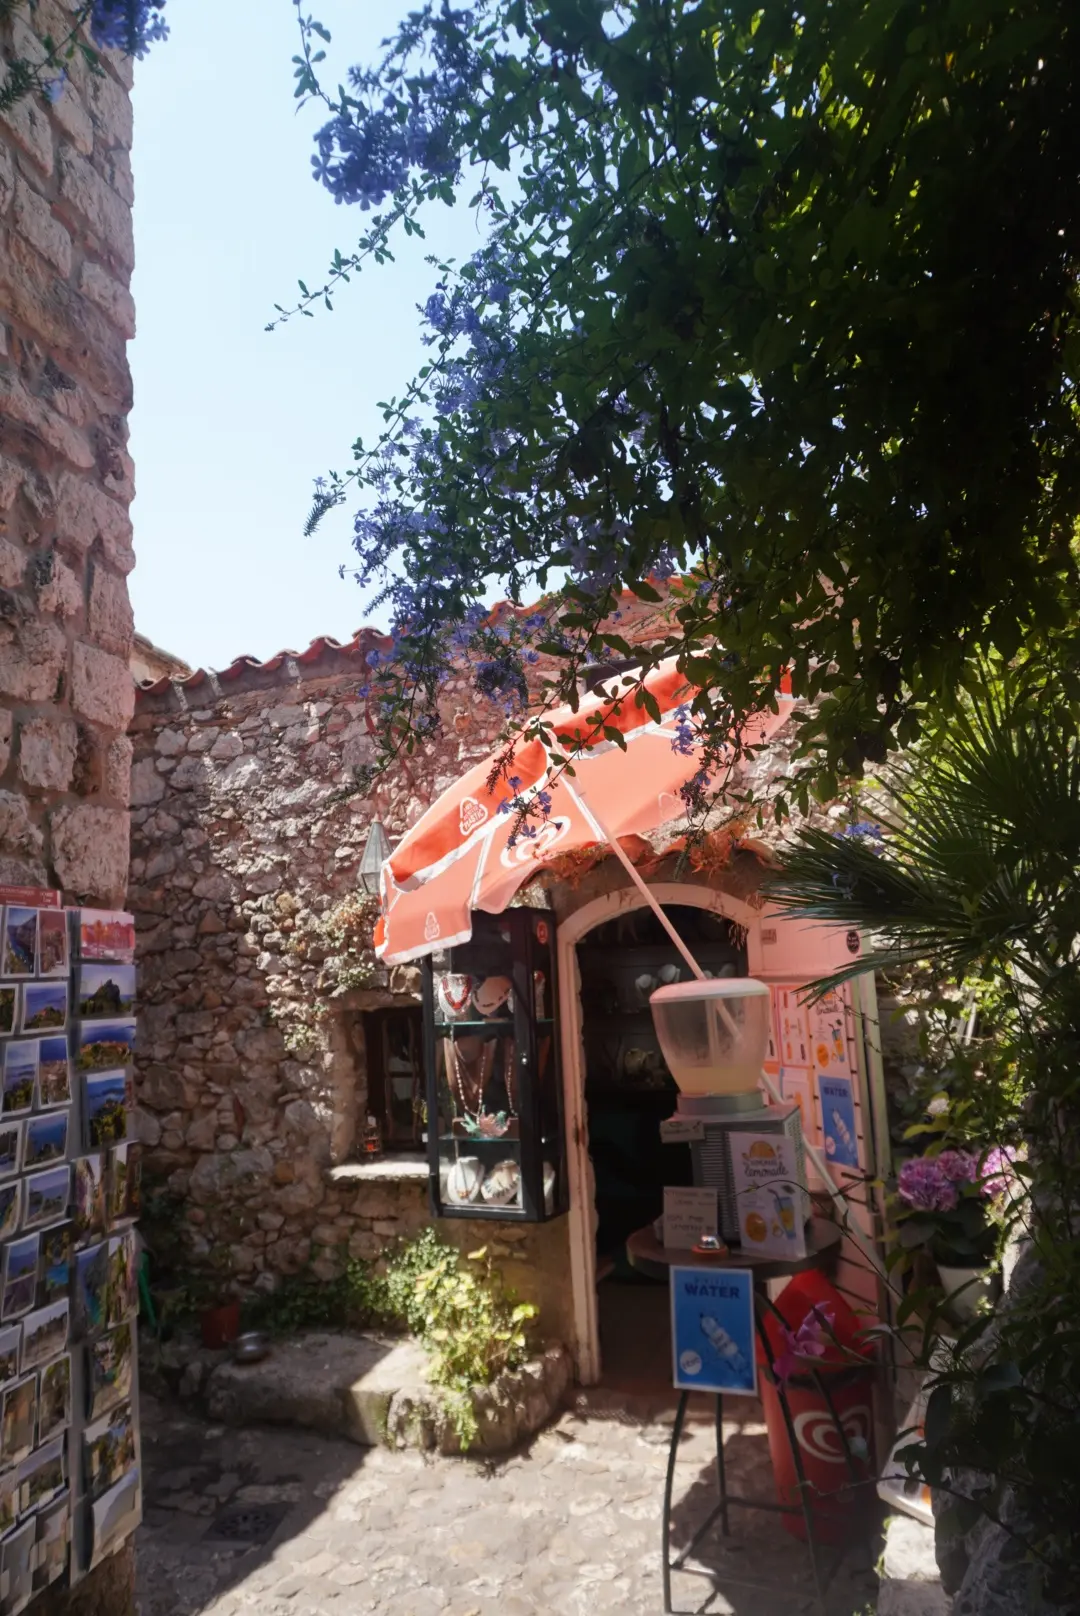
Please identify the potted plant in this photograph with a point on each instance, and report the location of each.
(219, 1313)
(948, 1202)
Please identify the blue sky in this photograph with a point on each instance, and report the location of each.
(230, 423)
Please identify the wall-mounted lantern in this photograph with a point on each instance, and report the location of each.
(376, 852)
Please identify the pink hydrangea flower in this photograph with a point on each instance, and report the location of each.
(996, 1176)
(959, 1166)
(925, 1185)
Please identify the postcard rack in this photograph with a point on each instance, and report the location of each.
(70, 1192)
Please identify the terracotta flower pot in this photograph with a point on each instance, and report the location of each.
(220, 1325)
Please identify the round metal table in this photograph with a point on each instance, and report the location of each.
(646, 1253)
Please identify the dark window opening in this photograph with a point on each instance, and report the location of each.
(394, 1043)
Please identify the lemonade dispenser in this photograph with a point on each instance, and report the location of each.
(714, 1034)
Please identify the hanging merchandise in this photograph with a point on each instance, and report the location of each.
(494, 1101)
(68, 1285)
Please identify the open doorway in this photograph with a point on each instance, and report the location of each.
(628, 1092)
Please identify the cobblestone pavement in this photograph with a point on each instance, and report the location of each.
(568, 1527)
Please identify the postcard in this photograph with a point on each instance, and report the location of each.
(9, 1002)
(18, 1419)
(17, 1568)
(88, 1217)
(45, 1333)
(56, 1261)
(105, 992)
(11, 1200)
(793, 1027)
(838, 1121)
(773, 1205)
(105, 1109)
(795, 1085)
(105, 1046)
(11, 1148)
(108, 1450)
(9, 1500)
(20, 1276)
(106, 934)
(53, 1542)
(122, 1290)
(54, 1072)
(44, 1007)
(712, 1330)
(124, 1182)
(90, 1300)
(108, 1371)
(48, 1197)
(46, 1139)
(10, 1345)
(53, 959)
(828, 1033)
(42, 1475)
(20, 1075)
(54, 1398)
(18, 954)
(115, 1516)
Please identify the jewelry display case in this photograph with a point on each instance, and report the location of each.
(494, 1090)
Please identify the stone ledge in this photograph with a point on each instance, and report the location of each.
(373, 1389)
(910, 1581)
(390, 1168)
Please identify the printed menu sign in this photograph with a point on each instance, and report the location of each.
(688, 1214)
(769, 1195)
(838, 1121)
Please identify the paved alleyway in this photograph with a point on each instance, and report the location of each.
(568, 1528)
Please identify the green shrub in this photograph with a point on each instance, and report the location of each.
(469, 1323)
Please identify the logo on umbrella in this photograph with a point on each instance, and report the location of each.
(472, 814)
(529, 848)
(431, 927)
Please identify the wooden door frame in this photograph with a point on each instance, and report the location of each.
(586, 1343)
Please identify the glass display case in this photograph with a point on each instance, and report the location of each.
(494, 1091)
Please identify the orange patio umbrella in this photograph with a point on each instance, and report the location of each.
(472, 850)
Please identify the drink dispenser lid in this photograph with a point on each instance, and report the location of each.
(728, 987)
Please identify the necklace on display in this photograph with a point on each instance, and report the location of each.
(459, 1073)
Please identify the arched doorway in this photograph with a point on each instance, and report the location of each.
(572, 931)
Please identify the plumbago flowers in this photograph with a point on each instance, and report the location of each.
(131, 26)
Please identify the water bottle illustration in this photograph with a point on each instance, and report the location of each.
(725, 1348)
(843, 1132)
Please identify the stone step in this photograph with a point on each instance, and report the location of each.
(373, 1389)
(910, 1581)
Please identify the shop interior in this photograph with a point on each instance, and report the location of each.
(628, 1093)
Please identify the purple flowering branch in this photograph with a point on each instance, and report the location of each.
(131, 26)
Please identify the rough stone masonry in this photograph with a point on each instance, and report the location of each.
(65, 538)
(65, 481)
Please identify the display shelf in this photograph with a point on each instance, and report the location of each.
(517, 951)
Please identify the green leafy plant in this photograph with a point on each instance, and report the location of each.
(748, 310)
(469, 1323)
(472, 1327)
(976, 874)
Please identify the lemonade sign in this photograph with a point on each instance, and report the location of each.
(770, 1196)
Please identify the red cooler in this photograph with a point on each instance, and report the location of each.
(836, 1503)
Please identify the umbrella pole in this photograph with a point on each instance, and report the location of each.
(863, 1241)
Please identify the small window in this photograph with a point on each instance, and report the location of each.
(395, 1075)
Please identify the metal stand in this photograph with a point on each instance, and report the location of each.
(762, 1306)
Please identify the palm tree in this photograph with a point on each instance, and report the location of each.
(974, 870)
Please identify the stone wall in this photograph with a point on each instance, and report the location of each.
(65, 480)
(247, 837)
(65, 538)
